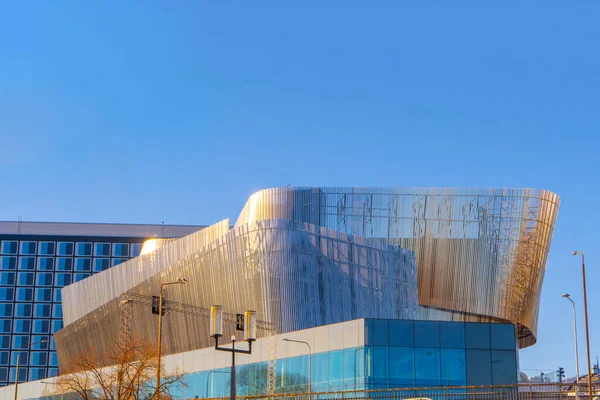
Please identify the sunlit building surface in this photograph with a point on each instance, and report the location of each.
(459, 269)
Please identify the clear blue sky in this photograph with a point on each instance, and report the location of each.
(149, 111)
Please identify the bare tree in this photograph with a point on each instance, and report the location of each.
(127, 372)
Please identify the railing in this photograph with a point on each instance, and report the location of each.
(529, 391)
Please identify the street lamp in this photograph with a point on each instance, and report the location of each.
(568, 297)
(309, 360)
(587, 330)
(216, 331)
(179, 281)
(18, 359)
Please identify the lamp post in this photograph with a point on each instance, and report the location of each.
(179, 281)
(568, 297)
(309, 360)
(17, 367)
(585, 315)
(216, 331)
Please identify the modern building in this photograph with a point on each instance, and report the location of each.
(38, 259)
(460, 270)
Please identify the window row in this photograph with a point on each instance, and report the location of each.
(25, 310)
(34, 374)
(8, 263)
(31, 358)
(20, 342)
(29, 294)
(11, 247)
(35, 326)
(59, 279)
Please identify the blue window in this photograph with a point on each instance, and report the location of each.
(65, 249)
(83, 264)
(8, 263)
(6, 310)
(22, 326)
(44, 278)
(46, 248)
(45, 264)
(7, 278)
(22, 374)
(41, 326)
(402, 333)
(479, 371)
(7, 294)
(136, 248)
(43, 294)
(53, 359)
(20, 342)
(427, 334)
(52, 372)
(23, 358)
(352, 368)
(3, 374)
(503, 336)
(8, 247)
(57, 312)
(320, 372)
(57, 324)
(381, 362)
(452, 335)
(39, 358)
(42, 311)
(380, 332)
(427, 367)
(4, 342)
(26, 278)
(27, 263)
(504, 367)
(477, 335)
(402, 367)
(28, 248)
(23, 310)
(454, 369)
(57, 295)
(37, 373)
(4, 357)
(5, 325)
(102, 250)
(62, 279)
(84, 249)
(121, 250)
(64, 264)
(80, 277)
(101, 264)
(117, 261)
(36, 343)
(24, 294)
(335, 370)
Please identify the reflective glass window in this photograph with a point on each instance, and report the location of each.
(101, 264)
(53, 359)
(335, 370)
(6, 310)
(20, 342)
(452, 335)
(5, 342)
(65, 249)
(46, 248)
(427, 366)
(26, 278)
(136, 248)
(427, 334)
(80, 277)
(380, 332)
(38, 358)
(45, 264)
(102, 249)
(8, 263)
(44, 278)
(454, 367)
(7, 278)
(62, 279)
(320, 371)
(23, 358)
(504, 367)
(402, 333)
(24, 294)
(37, 344)
(352, 367)
(117, 261)
(7, 294)
(4, 357)
(23, 310)
(121, 250)
(22, 374)
(83, 249)
(37, 373)
(381, 364)
(22, 326)
(42, 311)
(27, 263)
(57, 312)
(477, 335)
(402, 367)
(5, 325)
(57, 295)
(56, 325)
(28, 248)
(41, 326)
(64, 264)
(43, 294)
(52, 372)
(83, 264)
(503, 336)
(3, 374)
(479, 371)
(8, 247)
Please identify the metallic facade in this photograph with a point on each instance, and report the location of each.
(303, 257)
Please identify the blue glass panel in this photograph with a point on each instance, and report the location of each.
(62, 279)
(22, 326)
(8, 247)
(5, 326)
(43, 294)
(477, 335)
(427, 367)
(402, 333)
(57, 324)
(5, 342)
(352, 367)
(335, 370)
(320, 372)
(27, 263)
(64, 264)
(53, 359)
(503, 336)
(102, 250)
(4, 357)
(80, 277)
(136, 248)
(41, 326)
(8, 263)
(380, 332)
(117, 261)
(101, 264)
(427, 334)
(37, 373)
(83, 249)
(23, 358)
(83, 264)
(46, 248)
(7, 278)
(504, 367)
(28, 248)
(23, 310)
(38, 358)
(45, 264)
(120, 250)
(57, 311)
(20, 342)
(452, 335)
(65, 249)
(454, 367)
(26, 278)
(6, 310)
(369, 339)
(7, 293)
(37, 344)
(402, 367)
(44, 278)
(42, 311)
(479, 370)
(24, 294)
(52, 372)
(381, 362)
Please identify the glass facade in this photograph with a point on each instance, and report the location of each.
(32, 272)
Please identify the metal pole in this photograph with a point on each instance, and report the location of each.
(160, 313)
(576, 347)
(587, 330)
(232, 395)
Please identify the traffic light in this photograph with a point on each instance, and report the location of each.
(561, 374)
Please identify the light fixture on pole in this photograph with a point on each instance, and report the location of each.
(309, 360)
(17, 366)
(179, 281)
(587, 329)
(568, 297)
(216, 331)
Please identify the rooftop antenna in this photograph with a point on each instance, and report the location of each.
(162, 230)
(19, 220)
